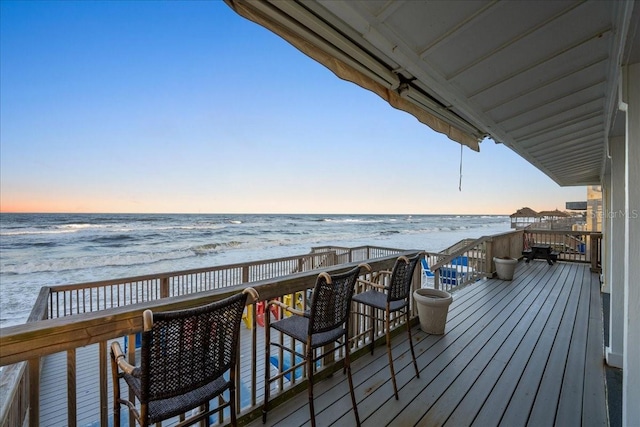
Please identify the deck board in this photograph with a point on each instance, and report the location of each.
(512, 354)
(595, 399)
(484, 385)
(484, 367)
(525, 392)
(526, 352)
(507, 307)
(572, 391)
(546, 400)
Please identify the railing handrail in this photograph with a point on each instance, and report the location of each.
(355, 248)
(457, 245)
(478, 257)
(567, 232)
(72, 299)
(446, 259)
(156, 276)
(39, 309)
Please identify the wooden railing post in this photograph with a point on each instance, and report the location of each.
(104, 398)
(34, 392)
(488, 258)
(519, 245)
(71, 388)
(164, 287)
(415, 284)
(245, 274)
(594, 248)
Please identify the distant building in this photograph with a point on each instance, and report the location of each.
(554, 215)
(594, 208)
(524, 217)
(545, 220)
(576, 206)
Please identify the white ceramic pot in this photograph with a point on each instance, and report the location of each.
(433, 307)
(505, 267)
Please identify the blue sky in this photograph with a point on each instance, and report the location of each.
(187, 107)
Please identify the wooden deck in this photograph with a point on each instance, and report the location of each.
(526, 352)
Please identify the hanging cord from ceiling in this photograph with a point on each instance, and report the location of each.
(460, 179)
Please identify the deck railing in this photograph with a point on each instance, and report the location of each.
(574, 246)
(359, 253)
(471, 260)
(121, 318)
(66, 300)
(15, 391)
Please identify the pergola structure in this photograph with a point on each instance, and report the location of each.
(553, 215)
(524, 217)
(556, 82)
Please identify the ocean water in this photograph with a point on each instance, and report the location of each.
(52, 249)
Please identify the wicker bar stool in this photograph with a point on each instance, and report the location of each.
(326, 323)
(390, 298)
(185, 357)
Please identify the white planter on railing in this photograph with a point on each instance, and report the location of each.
(505, 267)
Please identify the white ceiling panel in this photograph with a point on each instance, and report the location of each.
(538, 76)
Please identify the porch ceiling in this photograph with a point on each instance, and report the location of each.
(541, 77)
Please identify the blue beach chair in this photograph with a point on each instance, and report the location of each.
(427, 275)
(455, 274)
(450, 276)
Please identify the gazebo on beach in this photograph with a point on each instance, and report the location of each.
(524, 217)
(553, 215)
(548, 220)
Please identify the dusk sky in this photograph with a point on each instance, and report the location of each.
(186, 107)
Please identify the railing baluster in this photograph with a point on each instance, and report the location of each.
(104, 398)
(71, 388)
(34, 392)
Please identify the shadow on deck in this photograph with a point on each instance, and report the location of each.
(524, 352)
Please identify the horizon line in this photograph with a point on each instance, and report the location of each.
(240, 213)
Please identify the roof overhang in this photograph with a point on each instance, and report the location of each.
(541, 77)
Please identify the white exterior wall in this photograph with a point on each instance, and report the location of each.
(605, 276)
(616, 243)
(631, 354)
